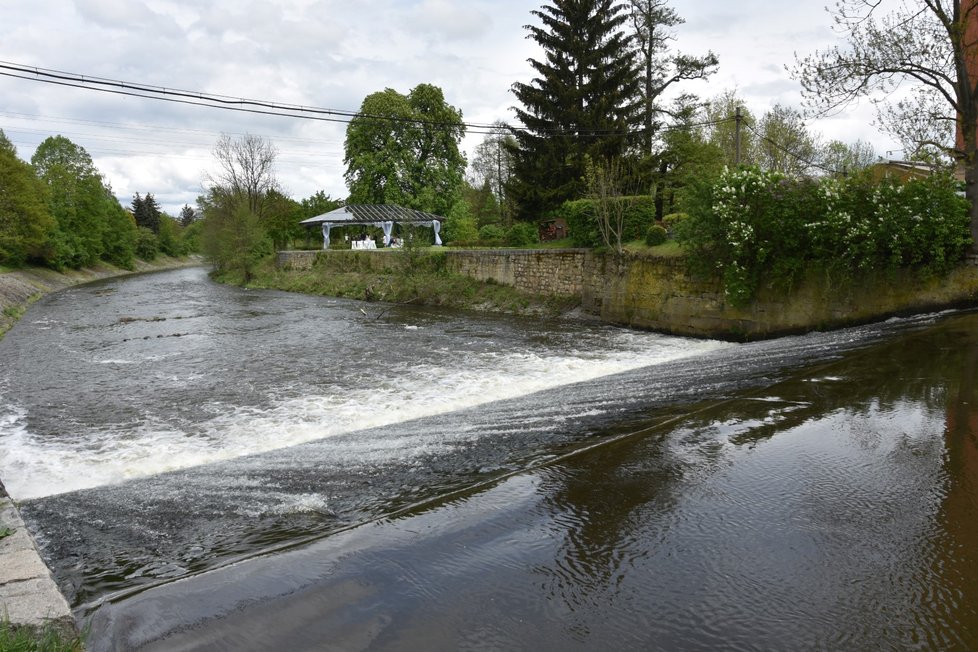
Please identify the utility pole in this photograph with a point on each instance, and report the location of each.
(739, 117)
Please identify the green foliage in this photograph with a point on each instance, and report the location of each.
(460, 225)
(752, 227)
(588, 81)
(147, 244)
(403, 149)
(582, 220)
(146, 212)
(656, 235)
(169, 236)
(280, 218)
(118, 235)
(89, 225)
(672, 219)
(522, 234)
(47, 639)
(26, 224)
(232, 237)
(190, 237)
(492, 235)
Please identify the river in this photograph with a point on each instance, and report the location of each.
(206, 467)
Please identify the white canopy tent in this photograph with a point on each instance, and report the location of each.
(382, 215)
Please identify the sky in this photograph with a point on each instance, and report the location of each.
(332, 54)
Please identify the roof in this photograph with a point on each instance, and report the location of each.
(372, 214)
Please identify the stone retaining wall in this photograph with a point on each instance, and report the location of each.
(660, 293)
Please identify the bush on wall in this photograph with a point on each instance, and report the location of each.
(751, 226)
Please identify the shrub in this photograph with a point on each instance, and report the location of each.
(522, 234)
(751, 225)
(492, 235)
(147, 245)
(656, 235)
(672, 219)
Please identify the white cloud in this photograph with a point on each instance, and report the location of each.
(326, 53)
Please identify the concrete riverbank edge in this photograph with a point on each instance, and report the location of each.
(21, 287)
(29, 597)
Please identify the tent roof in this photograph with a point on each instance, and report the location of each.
(372, 214)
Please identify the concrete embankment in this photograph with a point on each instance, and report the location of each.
(19, 288)
(28, 593)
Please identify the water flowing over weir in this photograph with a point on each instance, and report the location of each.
(157, 427)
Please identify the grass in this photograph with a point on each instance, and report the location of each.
(51, 638)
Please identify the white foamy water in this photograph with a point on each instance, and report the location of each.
(34, 466)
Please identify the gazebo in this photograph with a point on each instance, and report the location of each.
(382, 215)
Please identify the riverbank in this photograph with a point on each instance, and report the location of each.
(394, 278)
(21, 287)
(641, 290)
(29, 596)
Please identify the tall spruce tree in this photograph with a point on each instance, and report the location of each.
(583, 103)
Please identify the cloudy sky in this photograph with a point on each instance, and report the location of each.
(330, 54)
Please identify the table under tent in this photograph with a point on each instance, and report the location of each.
(382, 215)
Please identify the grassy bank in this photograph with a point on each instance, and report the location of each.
(48, 639)
(419, 279)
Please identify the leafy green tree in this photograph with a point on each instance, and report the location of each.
(118, 233)
(26, 225)
(232, 237)
(845, 158)
(492, 166)
(403, 149)
(81, 203)
(318, 203)
(237, 201)
(482, 203)
(784, 143)
(926, 44)
(582, 103)
(721, 130)
(281, 219)
(460, 225)
(169, 236)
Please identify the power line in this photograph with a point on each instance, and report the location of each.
(267, 107)
(791, 153)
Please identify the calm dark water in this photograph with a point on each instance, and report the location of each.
(599, 490)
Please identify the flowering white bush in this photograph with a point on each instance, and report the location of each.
(752, 226)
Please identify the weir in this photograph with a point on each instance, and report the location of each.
(471, 470)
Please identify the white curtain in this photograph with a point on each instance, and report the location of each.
(326, 227)
(387, 226)
(436, 225)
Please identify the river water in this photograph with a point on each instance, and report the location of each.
(207, 467)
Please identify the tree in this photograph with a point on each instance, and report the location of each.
(83, 206)
(240, 194)
(784, 143)
(146, 212)
(492, 163)
(930, 44)
(721, 130)
(231, 237)
(844, 158)
(652, 22)
(26, 225)
(605, 184)
(582, 103)
(187, 216)
(246, 170)
(403, 149)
